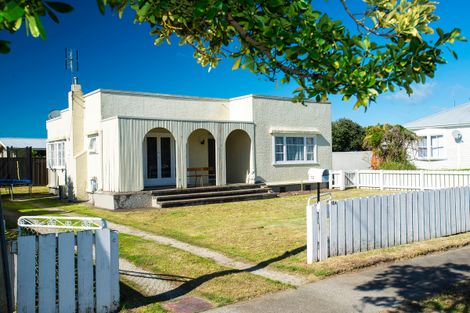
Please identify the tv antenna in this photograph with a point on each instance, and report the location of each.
(71, 63)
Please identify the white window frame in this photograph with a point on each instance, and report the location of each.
(299, 162)
(92, 144)
(429, 149)
(56, 155)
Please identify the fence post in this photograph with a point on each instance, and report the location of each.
(312, 233)
(381, 180)
(342, 180)
(356, 178)
(421, 180)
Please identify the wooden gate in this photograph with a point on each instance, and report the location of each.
(68, 272)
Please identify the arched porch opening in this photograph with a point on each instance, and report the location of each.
(237, 157)
(159, 158)
(201, 158)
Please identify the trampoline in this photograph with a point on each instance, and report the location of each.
(10, 183)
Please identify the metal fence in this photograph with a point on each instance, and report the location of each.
(388, 179)
(353, 225)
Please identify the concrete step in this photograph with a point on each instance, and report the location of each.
(179, 191)
(209, 194)
(218, 199)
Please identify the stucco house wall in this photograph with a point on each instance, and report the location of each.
(118, 122)
(281, 116)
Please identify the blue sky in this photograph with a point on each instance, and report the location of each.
(118, 54)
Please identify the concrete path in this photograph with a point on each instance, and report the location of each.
(213, 255)
(372, 290)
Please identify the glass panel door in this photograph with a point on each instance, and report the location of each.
(165, 156)
(152, 164)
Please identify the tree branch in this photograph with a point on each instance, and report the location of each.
(361, 23)
(245, 36)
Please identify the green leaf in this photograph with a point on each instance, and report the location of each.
(4, 46)
(12, 12)
(236, 65)
(100, 6)
(60, 7)
(52, 15)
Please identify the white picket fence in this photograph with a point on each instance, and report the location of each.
(411, 180)
(353, 225)
(68, 272)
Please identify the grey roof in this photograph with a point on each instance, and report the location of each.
(454, 117)
(35, 143)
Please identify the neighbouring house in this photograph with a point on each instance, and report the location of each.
(444, 139)
(113, 142)
(16, 144)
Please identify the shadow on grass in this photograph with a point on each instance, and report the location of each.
(413, 284)
(137, 299)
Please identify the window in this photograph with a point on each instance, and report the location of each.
(294, 149)
(56, 155)
(431, 147)
(92, 144)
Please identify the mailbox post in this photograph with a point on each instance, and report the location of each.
(318, 176)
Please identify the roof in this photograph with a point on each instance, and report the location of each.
(35, 143)
(458, 116)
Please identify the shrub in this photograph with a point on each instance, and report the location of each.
(392, 165)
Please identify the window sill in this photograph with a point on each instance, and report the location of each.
(291, 163)
(430, 159)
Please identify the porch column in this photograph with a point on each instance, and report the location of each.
(252, 174)
(220, 162)
(181, 162)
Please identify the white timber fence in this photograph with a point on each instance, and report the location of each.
(405, 180)
(67, 272)
(348, 226)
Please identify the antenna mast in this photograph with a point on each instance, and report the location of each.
(71, 63)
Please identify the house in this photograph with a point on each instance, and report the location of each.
(444, 139)
(109, 142)
(38, 145)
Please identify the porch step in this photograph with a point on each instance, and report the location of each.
(209, 194)
(214, 199)
(190, 190)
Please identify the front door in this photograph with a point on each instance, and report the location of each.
(159, 161)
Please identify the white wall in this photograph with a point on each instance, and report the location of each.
(126, 104)
(269, 113)
(241, 109)
(353, 160)
(456, 154)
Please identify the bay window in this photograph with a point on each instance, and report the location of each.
(294, 149)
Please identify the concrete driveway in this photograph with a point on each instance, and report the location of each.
(372, 290)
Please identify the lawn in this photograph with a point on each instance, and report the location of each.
(271, 231)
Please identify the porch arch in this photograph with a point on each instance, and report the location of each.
(238, 157)
(201, 158)
(159, 158)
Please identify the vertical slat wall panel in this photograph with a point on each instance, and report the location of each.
(391, 221)
(363, 224)
(349, 226)
(409, 217)
(26, 268)
(356, 225)
(458, 213)
(333, 229)
(66, 243)
(432, 214)
(114, 271)
(453, 223)
(47, 273)
(448, 212)
(377, 222)
(420, 216)
(370, 223)
(102, 272)
(85, 271)
(402, 218)
(312, 233)
(341, 227)
(426, 215)
(384, 224)
(466, 207)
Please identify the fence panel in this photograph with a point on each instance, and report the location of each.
(399, 180)
(59, 263)
(361, 224)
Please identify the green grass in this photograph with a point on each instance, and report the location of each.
(192, 275)
(271, 231)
